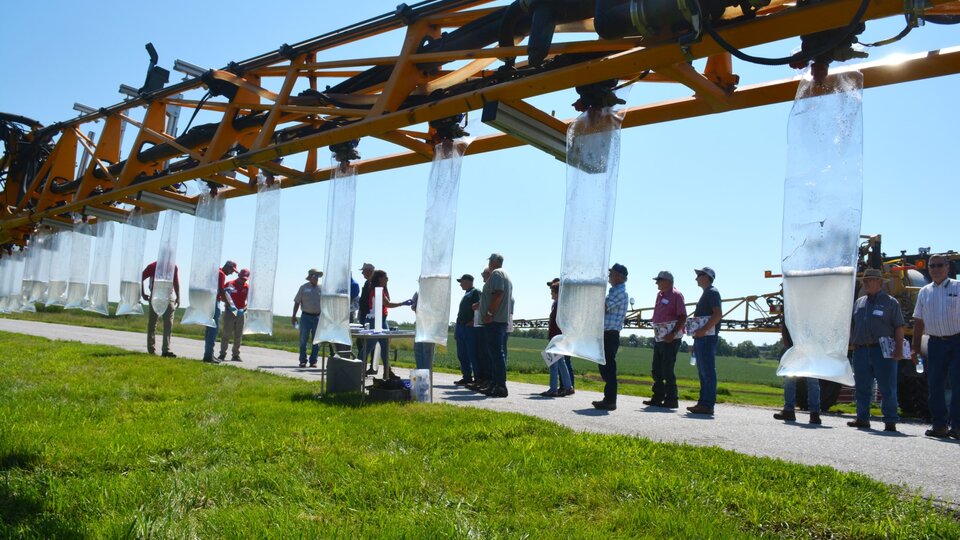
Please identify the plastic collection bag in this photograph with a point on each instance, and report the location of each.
(162, 293)
(6, 268)
(204, 266)
(439, 228)
(42, 271)
(31, 268)
(131, 262)
(263, 259)
(334, 324)
(420, 385)
(59, 268)
(593, 162)
(26, 279)
(14, 280)
(17, 299)
(99, 286)
(822, 201)
(79, 266)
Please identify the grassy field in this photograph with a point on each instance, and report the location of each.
(752, 382)
(743, 381)
(99, 442)
(524, 352)
(285, 336)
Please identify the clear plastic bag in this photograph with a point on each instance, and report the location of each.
(99, 286)
(14, 281)
(420, 385)
(593, 162)
(334, 324)
(31, 267)
(439, 228)
(6, 264)
(822, 202)
(263, 259)
(162, 293)
(59, 268)
(131, 262)
(204, 266)
(31, 264)
(42, 271)
(79, 266)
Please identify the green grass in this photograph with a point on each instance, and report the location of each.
(285, 336)
(99, 442)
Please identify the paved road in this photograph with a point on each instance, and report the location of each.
(908, 458)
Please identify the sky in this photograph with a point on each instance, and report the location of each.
(705, 191)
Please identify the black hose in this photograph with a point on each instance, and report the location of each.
(508, 24)
(943, 19)
(29, 122)
(903, 33)
(800, 57)
(196, 110)
(911, 23)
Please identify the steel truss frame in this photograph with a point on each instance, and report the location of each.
(269, 125)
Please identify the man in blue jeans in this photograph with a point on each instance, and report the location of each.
(614, 314)
(364, 307)
(210, 334)
(705, 341)
(876, 316)
(464, 333)
(481, 374)
(789, 414)
(495, 309)
(937, 314)
(308, 297)
(669, 316)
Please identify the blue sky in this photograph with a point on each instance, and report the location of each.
(704, 191)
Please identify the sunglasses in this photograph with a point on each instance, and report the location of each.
(937, 265)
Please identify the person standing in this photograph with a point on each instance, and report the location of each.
(705, 341)
(669, 313)
(566, 359)
(210, 334)
(308, 298)
(148, 274)
(615, 313)
(354, 299)
(937, 314)
(481, 377)
(789, 414)
(233, 316)
(422, 350)
(495, 309)
(513, 304)
(379, 278)
(464, 331)
(876, 316)
(363, 348)
(558, 370)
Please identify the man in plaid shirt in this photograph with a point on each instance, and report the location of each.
(613, 318)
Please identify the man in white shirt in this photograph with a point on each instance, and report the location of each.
(308, 299)
(937, 314)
